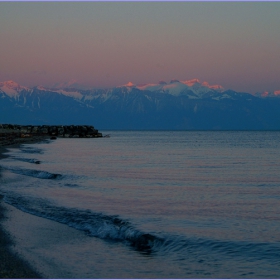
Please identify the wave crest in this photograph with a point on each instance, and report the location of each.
(94, 224)
(36, 173)
(30, 160)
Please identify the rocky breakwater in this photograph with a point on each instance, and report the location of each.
(13, 134)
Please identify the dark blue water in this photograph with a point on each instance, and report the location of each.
(164, 204)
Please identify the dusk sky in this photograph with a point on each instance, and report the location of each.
(106, 44)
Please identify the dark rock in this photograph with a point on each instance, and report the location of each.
(82, 131)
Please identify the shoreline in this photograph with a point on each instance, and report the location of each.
(12, 265)
(16, 142)
(16, 262)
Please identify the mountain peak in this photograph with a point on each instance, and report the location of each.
(264, 94)
(129, 84)
(11, 88)
(10, 84)
(191, 82)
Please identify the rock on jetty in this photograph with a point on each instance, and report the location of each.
(12, 133)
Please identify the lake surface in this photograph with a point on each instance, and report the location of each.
(157, 204)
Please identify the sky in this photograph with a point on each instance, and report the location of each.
(107, 44)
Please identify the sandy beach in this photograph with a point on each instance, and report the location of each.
(12, 265)
(29, 244)
(46, 245)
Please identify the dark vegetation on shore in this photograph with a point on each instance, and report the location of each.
(11, 265)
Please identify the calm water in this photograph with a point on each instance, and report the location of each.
(161, 204)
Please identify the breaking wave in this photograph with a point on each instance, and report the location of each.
(36, 173)
(31, 150)
(30, 160)
(114, 228)
(111, 228)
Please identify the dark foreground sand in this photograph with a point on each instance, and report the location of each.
(11, 265)
(33, 247)
(55, 250)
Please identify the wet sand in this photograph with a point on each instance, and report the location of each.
(47, 245)
(58, 251)
(12, 265)
(32, 247)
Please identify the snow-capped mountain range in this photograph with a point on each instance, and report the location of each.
(194, 89)
(189, 104)
(176, 87)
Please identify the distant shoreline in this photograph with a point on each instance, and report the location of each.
(12, 138)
